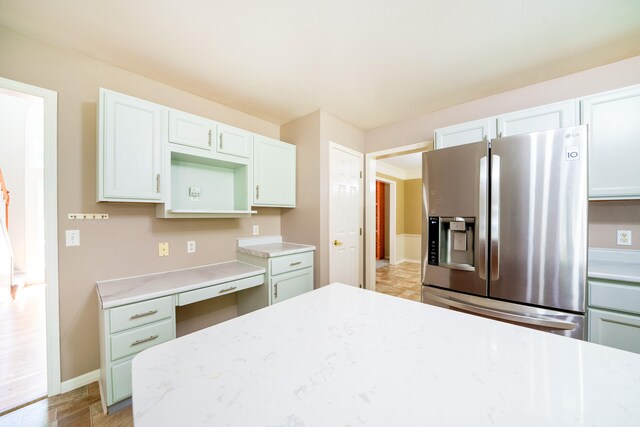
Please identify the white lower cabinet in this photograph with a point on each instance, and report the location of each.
(124, 332)
(287, 275)
(614, 314)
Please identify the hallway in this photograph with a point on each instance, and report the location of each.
(23, 358)
(402, 280)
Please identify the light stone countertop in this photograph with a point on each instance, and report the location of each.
(113, 293)
(341, 355)
(270, 246)
(611, 264)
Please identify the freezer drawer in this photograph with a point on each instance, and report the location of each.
(556, 322)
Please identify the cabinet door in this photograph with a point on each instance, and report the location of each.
(614, 330)
(129, 149)
(234, 141)
(190, 130)
(546, 117)
(465, 133)
(274, 173)
(289, 285)
(614, 146)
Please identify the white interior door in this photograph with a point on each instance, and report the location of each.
(345, 221)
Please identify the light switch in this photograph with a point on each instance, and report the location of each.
(73, 237)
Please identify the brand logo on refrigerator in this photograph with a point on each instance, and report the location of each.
(572, 153)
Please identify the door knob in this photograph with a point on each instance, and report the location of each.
(337, 243)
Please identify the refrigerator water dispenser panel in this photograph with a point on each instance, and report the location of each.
(451, 242)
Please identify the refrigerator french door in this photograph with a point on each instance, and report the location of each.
(505, 229)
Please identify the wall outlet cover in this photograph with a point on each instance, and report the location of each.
(163, 249)
(72, 237)
(191, 246)
(623, 237)
(256, 230)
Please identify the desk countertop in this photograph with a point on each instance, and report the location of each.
(340, 355)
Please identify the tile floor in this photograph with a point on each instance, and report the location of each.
(402, 280)
(79, 408)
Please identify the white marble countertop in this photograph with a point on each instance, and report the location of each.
(611, 264)
(116, 292)
(341, 355)
(270, 246)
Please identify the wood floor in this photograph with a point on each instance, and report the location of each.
(402, 280)
(79, 408)
(23, 359)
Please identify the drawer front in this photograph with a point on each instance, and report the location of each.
(291, 284)
(134, 341)
(121, 381)
(141, 313)
(614, 296)
(614, 330)
(190, 297)
(283, 264)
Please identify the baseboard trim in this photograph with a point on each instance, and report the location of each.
(79, 381)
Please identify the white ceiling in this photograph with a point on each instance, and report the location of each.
(369, 62)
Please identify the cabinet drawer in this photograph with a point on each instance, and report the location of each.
(185, 298)
(282, 264)
(615, 296)
(615, 330)
(138, 339)
(121, 381)
(141, 313)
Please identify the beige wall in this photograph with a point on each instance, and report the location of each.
(413, 206)
(312, 134)
(126, 244)
(605, 217)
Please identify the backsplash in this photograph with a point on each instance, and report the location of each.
(608, 216)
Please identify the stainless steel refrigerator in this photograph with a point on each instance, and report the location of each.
(505, 229)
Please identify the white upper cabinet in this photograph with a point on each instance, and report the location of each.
(465, 133)
(546, 117)
(192, 131)
(234, 141)
(129, 149)
(274, 173)
(614, 144)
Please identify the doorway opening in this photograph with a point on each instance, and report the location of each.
(29, 345)
(397, 174)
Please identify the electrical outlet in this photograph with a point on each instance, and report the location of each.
(72, 237)
(163, 249)
(191, 246)
(623, 237)
(256, 230)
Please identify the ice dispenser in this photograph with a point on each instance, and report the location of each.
(451, 242)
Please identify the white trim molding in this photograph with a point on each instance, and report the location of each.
(80, 381)
(50, 99)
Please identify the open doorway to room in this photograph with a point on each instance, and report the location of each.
(28, 309)
(397, 212)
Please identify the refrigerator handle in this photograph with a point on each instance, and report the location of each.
(544, 322)
(482, 220)
(495, 217)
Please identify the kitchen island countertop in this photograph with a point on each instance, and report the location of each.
(341, 355)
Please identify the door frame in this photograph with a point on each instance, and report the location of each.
(370, 202)
(336, 146)
(50, 141)
(392, 219)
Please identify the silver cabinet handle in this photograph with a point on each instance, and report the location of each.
(157, 183)
(482, 220)
(209, 137)
(227, 289)
(276, 290)
(257, 191)
(295, 263)
(221, 141)
(495, 217)
(142, 341)
(139, 315)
